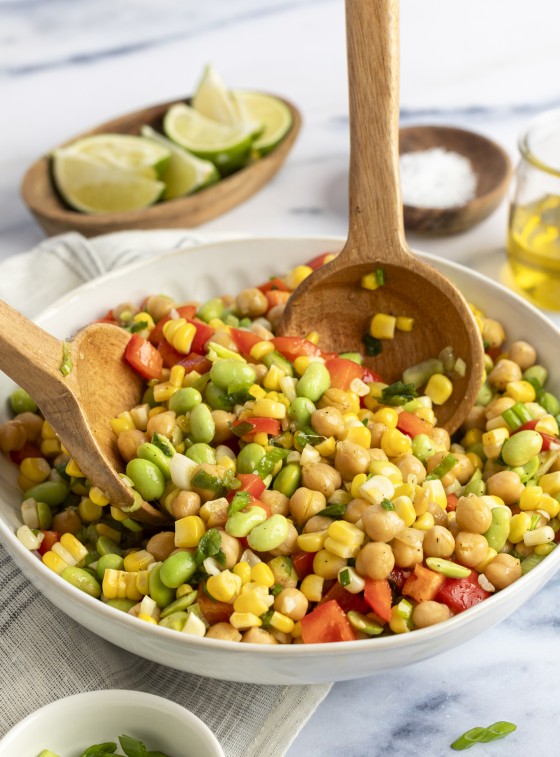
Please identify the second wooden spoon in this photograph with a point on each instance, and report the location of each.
(331, 300)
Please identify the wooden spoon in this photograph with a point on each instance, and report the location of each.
(331, 300)
(79, 406)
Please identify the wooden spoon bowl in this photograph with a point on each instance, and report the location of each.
(79, 406)
(55, 216)
(490, 163)
(332, 301)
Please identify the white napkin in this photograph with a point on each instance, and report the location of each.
(44, 654)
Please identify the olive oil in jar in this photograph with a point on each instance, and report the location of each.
(534, 250)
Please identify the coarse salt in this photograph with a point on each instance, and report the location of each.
(436, 178)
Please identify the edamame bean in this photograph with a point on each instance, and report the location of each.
(177, 569)
(232, 375)
(161, 594)
(242, 523)
(269, 534)
(550, 403)
(521, 447)
(44, 514)
(180, 604)
(314, 383)
(288, 480)
(21, 402)
(202, 426)
(249, 457)
(217, 398)
(149, 451)
(52, 492)
(148, 397)
(497, 534)
(301, 411)
(185, 399)
(124, 605)
(201, 453)
(106, 546)
(211, 309)
(83, 580)
(146, 478)
(485, 394)
(176, 621)
(447, 568)
(423, 447)
(537, 372)
(105, 562)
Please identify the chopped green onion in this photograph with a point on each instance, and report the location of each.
(163, 443)
(210, 546)
(363, 624)
(380, 276)
(242, 428)
(137, 326)
(344, 577)
(373, 346)
(67, 363)
(448, 462)
(266, 464)
(404, 609)
(483, 735)
(304, 437)
(266, 617)
(398, 393)
(204, 480)
(386, 504)
(238, 503)
(420, 373)
(355, 357)
(276, 590)
(334, 511)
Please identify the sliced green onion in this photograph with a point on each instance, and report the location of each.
(373, 346)
(363, 624)
(386, 504)
(404, 609)
(266, 465)
(483, 735)
(344, 577)
(448, 462)
(336, 511)
(355, 357)
(398, 393)
(420, 373)
(380, 276)
(447, 567)
(239, 502)
(242, 428)
(210, 546)
(67, 363)
(204, 480)
(163, 443)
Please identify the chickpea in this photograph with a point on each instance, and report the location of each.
(470, 549)
(214, 512)
(275, 314)
(440, 437)
(129, 441)
(258, 636)
(321, 477)
(503, 570)
(278, 502)
(473, 514)
(492, 332)
(225, 340)
(452, 526)
(355, 510)
(231, 547)
(251, 302)
(476, 418)
(375, 560)
(505, 484)
(306, 502)
(523, 353)
(438, 542)
(32, 423)
(161, 545)
(67, 521)
(376, 454)
(429, 613)
(438, 513)
(327, 421)
(499, 405)
(503, 372)
(407, 555)
(260, 330)
(350, 459)
(12, 436)
(317, 523)
(377, 430)
(292, 603)
(185, 503)
(159, 305)
(221, 420)
(163, 423)
(339, 497)
(224, 631)
(410, 466)
(260, 371)
(288, 545)
(381, 525)
(337, 398)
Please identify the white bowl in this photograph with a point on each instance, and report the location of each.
(70, 725)
(227, 267)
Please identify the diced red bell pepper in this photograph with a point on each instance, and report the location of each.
(423, 584)
(143, 357)
(28, 450)
(461, 593)
(378, 595)
(276, 297)
(251, 483)
(213, 611)
(412, 425)
(245, 340)
(494, 352)
(345, 599)
(303, 563)
(319, 260)
(370, 376)
(327, 622)
(203, 334)
(260, 426)
(49, 538)
(169, 354)
(194, 362)
(273, 284)
(398, 576)
(343, 371)
(292, 347)
(452, 500)
(108, 318)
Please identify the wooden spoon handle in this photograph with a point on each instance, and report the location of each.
(29, 355)
(376, 219)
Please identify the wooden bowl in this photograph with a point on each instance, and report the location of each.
(490, 163)
(56, 217)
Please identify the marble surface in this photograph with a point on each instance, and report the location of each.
(490, 67)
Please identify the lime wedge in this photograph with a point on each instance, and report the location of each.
(184, 173)
(272, 113)
(94, 187)
(228, 147)
(137, 154)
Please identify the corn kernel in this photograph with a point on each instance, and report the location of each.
(530, 498)
(312, 587)
(326, 564)
(405, 509)
(72, 469)
(266, 408)
(426, 414)
(74, 546)
(111, 533)
(382, 326)
(143, 582)
(164, 391)
(387, 469)
(121, 424)
(424, 522)
(176, 375)
(435, 492)
(313, 337)
(405, 323)
(386, 415)
(97, 496)
(251, 601)
(155, 411)
(518, 527)
(243, 570)
(89, 511)
(294, 278)
(472, 437)
(54, 562)
(398, 624)
(326, 448)
(312, 542)
(224, 587)
(281, 622)
(147, 618)
(118, 584)
(340, 548)
(35, 469)
(492, 442)
(521, 391)
(137, 561)
(47, 431)
(189, 531)
(346, 532)
(395, 443)
(490, 555)
(550, 483)
(547, 425)
(180, 334)
(262, 574)
(296, 630)
(550, 505)
(260, 349)
(545, 549)
(358, 435)
(475, 460)
(439, 388)
(50, 447)
(244, 620)
(370, 281)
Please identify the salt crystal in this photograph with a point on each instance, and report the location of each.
(436, 178)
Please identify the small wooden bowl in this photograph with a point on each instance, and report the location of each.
(56, 217)
(490, 163)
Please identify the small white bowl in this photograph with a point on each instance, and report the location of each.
(70, 725)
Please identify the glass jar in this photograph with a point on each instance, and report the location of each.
(533, 243)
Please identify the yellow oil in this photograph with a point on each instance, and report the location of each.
(534, 250)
